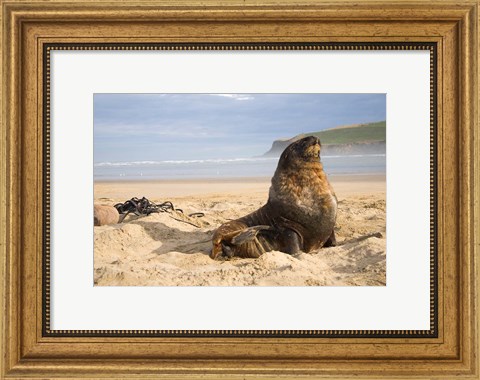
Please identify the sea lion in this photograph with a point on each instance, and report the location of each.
(299, 215)
(105, 215)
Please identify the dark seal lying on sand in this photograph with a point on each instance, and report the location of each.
(299, 215)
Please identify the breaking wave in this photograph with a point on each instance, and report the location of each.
(216, 161)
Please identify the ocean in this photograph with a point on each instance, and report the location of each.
(228, 168)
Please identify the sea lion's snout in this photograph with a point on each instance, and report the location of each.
(312, 147)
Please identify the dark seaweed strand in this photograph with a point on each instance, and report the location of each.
(374, 46)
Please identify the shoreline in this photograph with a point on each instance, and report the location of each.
(344, 185)
(359, 177)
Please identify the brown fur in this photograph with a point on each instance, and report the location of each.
(104, 215)
(300, 212)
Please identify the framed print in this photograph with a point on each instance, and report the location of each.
(242, 189)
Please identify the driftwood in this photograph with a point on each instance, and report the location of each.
(105, 215)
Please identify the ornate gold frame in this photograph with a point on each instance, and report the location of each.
(29, 26)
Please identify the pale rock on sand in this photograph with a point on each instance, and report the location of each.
(172, 250)
(104, 215)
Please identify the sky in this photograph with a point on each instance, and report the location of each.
(161, 127)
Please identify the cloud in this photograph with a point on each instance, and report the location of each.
(235, 96)
(179, 130)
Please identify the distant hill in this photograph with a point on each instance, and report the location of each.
(367, 138)
(360, 133)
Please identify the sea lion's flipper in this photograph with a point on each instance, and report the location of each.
(234, 238)
(249, 234)
(227, 251)
(331, 242)
(291, 241)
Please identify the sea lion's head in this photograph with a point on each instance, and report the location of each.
(300, 152)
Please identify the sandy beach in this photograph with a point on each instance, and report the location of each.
(171, 249)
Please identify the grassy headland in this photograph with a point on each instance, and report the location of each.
(369, 138)
(362, 133)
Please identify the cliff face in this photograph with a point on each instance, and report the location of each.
(378, 147)
(279, 146)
